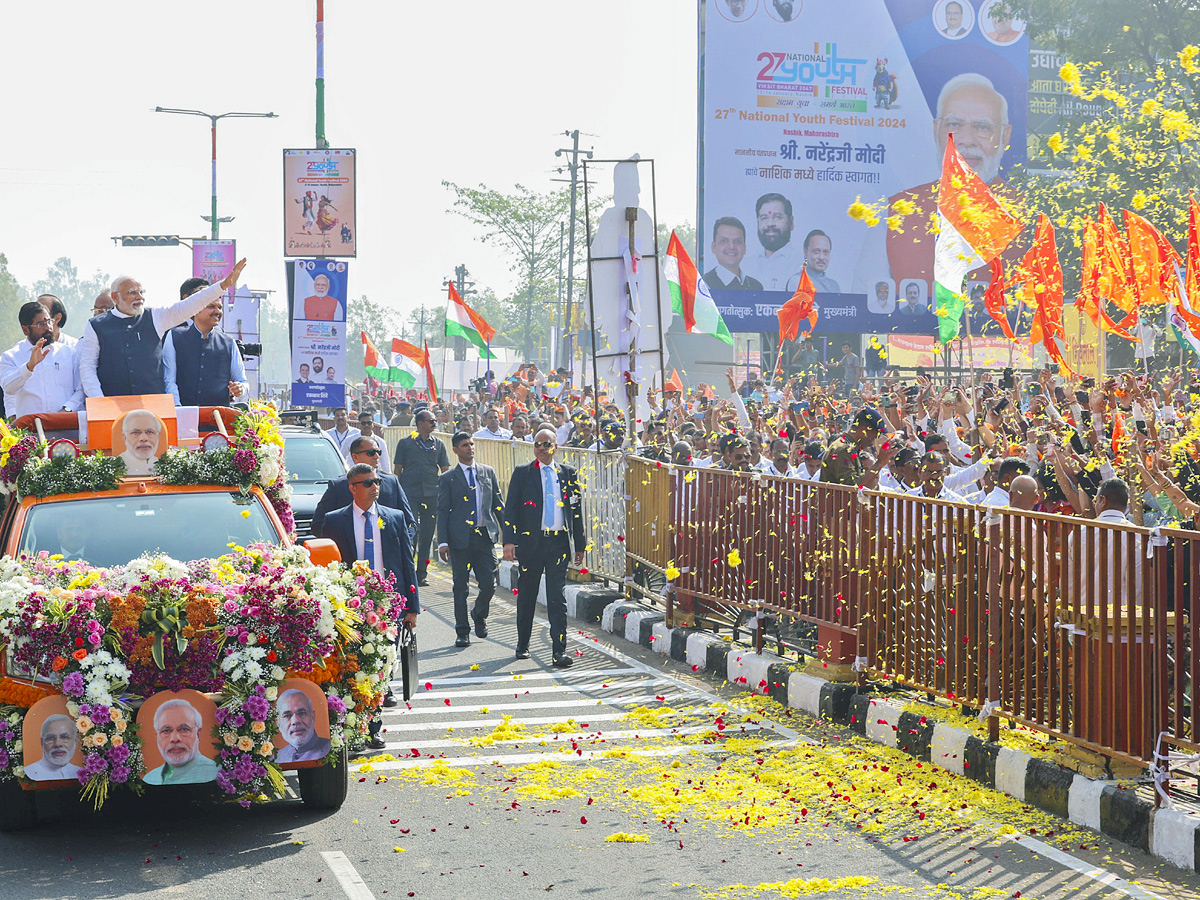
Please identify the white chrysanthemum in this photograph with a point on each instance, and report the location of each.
(154, 566)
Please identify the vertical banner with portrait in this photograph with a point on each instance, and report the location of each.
(318, 316)
(318, 202)
(804, 108)
(213, 260)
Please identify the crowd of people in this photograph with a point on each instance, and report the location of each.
(1040, 441)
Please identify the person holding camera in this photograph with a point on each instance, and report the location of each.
(202, 365)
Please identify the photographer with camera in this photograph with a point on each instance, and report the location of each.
(202, 365)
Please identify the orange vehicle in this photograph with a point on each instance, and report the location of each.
(107, 529)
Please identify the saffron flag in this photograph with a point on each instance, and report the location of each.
(430, 383)
(1153, 261)
(1042, 290)
(1095, 287)
(973, 230)
(1188, 294)
(1116, 278)
(690, 297)
(464, 322)
(993, 298)
(802, 305)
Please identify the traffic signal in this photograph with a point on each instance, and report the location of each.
(148, 240)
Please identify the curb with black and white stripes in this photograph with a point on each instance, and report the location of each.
(1118, 813)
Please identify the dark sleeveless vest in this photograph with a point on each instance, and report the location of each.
(202, 366)
(130, 355)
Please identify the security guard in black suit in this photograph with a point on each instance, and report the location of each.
(470, 507)
(543, 518)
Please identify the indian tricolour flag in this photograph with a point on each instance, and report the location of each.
(462, 321)
(973, 229)
(689, 294)
(401, 367)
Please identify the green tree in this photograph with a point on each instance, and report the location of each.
(526, 225)
(531, 228)
(687, 236)
(1140, 153)
(77, 294)
(1122, 35)
(12, 295)
(379, 323)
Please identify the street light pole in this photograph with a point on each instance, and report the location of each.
(213, 119)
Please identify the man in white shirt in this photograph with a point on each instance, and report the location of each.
(809, 468)
(58, 318)
(40, 374)
(882, 303)
(341, 433)
(491, 427)
(777, 267)
(933, 479)
(120, 352)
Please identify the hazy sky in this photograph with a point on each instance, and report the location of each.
(475, 91)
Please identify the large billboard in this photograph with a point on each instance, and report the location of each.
(318, 305)
(213, 260)
(318, 203)
(805, 107)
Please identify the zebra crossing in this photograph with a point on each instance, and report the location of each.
(505, 711)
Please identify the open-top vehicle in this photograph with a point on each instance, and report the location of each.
(163, 629)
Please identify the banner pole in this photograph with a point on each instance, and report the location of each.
(322, 144)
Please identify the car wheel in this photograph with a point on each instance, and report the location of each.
(18, 807)
(325, 786)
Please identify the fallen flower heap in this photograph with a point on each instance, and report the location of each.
(235, 627)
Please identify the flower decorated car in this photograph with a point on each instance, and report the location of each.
(123, 667)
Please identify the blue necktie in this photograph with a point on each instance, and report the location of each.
(548, 499)
(368, 540)
(474, 491)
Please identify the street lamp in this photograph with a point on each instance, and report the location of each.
(239, 115)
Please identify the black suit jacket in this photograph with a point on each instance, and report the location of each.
(456, 513)
(397, 549)
(523, 509)
(337, 495)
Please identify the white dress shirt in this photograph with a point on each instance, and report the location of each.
(344, 440)
(778, 272)
(502, 435)
(53, 385)
(360, 536)
(804, 475)
(164, 318)
(558, 520)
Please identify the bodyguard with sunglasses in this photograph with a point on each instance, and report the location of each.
(543, 518)
(391, 494)
(370, 531)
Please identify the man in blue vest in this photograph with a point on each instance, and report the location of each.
(120, 352)
(202, 365)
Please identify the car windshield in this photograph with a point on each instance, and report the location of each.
(111, 531)
(312, 458)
